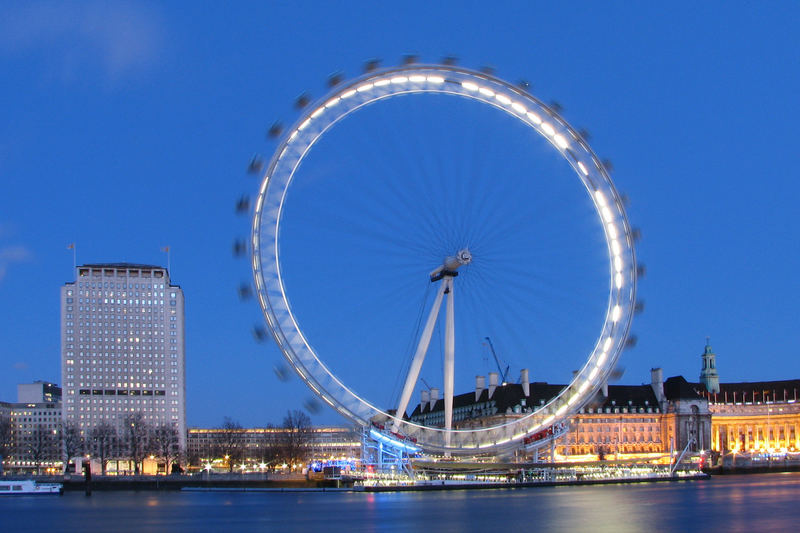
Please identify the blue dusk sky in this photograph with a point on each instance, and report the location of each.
(126, 127)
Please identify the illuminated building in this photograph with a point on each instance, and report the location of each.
(751, 417)
(625, 420)
(622, 421)
(259, 443)
(35, 424)
(760, 416)
(123, 349)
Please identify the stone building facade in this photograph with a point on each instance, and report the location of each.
(623, 421)
(762, 416)
(33, 440)
(752, 418)
(123, 347)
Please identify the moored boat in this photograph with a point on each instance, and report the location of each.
(27, 487)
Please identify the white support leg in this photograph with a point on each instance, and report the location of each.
(449, 362)
(419, 357)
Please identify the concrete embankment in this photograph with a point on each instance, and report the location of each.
(758, 468)
(264, 483)
(178, 482)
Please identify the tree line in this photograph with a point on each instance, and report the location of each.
(134, 439)
(231, 444)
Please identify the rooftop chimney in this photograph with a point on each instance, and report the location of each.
(493, 377)
(605, 389)
(525, 381)
(425, 397)
(434, 397)
(480, 384)
(657, 382)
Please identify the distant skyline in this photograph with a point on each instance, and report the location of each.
(128, 127)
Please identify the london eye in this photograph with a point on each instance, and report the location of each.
(413, 211)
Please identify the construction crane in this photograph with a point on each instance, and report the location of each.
(503, 373)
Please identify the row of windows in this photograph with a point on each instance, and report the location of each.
(123, 294)
(148, 409)
(618, 427)
(108, 381)
(40, 424)
(121, 340)
(128, 325)
(94, 308)
(632, 420)
(110, 313)
(113, 401)
(583, 450)
(121, 355)
(123, 301)
(134, 373)
(71, 392)
(120, 358)
(610, 439)
(623, 409)
(130, 409)
(106, 284)
(133, 319)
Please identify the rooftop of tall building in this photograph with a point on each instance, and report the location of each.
(121, 265)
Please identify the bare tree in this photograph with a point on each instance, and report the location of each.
(134, 437)
(207, 452)
(269, 447)
(229, 442)
(42, 445)
(103, 439)
(165, 443)
(296, 437)
(72, 442)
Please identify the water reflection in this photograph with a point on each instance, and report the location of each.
(730, 503)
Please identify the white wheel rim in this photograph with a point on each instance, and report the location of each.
(489, 90)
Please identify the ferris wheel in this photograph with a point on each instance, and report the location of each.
(447, 275)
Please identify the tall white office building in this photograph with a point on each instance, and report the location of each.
(122, 346)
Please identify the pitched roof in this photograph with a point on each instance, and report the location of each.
(508, 396)
(677, 388)
(759, 391)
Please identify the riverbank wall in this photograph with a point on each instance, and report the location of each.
(178, 482)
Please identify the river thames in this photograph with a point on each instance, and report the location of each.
(762, 502)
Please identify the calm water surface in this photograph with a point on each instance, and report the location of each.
(768, 502)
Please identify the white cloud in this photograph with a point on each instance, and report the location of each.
(124, 38)
(12, 254)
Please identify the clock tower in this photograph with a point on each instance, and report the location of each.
(708, 375)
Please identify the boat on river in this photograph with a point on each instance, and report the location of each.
(27, 487)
